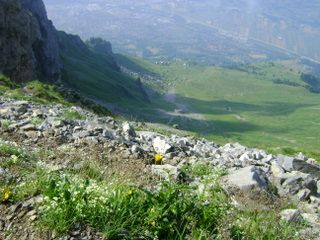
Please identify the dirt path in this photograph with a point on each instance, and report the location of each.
(182, 110)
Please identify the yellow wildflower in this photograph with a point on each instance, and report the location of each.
(152, 223)
(158, 158)
(152, 210)
(6, 194)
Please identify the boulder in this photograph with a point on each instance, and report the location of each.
(276, 170)
(166, 171)
(246, 179)
(291, 215)
(128, 131)
(311, 218)
(285, 162)
(304, 195)
(161, 146)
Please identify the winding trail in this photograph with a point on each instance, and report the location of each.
(182, 110)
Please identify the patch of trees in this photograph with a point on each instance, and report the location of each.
(286, 82)
(312, 81)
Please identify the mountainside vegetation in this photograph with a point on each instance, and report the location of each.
(244, 103)
(96, 74)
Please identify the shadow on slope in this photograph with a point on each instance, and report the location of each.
(96, 75)
(271, 108)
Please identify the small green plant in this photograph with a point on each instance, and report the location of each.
(11, 149)
(261, 224)
(5, 84)
(73, 115)
(173, 211)
(5, 123)
(201, 169)
(36, 121)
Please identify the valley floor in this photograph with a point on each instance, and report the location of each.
(265, 105)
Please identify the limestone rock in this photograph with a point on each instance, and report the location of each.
(291, 215)
(161, 146)
(128, 131)
(165, 171)
(246, 179)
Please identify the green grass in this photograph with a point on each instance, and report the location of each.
(174, 211)
(34, 91)
(244, 105)
(120, 209)
(72, 115)
(5, 123)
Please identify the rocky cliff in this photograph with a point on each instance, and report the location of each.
(29, 46)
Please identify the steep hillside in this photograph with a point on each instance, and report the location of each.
(95, 74)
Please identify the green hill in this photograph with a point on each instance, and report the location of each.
(265, 105)
(96, 75)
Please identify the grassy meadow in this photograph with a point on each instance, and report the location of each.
(245, 104)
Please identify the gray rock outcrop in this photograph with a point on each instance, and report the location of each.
(28, 42)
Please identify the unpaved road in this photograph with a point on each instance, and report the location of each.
(182, 110)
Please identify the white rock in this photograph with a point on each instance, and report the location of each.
(291, 215)
(135, 149)
(161, 146)
(166, 171)
(247, 178)
(276, 170)
(285, 162)
(128, 130)
(311, 218)
(304, 194)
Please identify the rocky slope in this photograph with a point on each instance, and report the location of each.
(250, 172)
(29, 47)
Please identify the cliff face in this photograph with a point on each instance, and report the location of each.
(46, 47)
(28, 43)
(18, 32)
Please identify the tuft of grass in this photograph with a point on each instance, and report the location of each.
(5, 123)
(263, 224)
(5, 82)
(72, 115)
(35, 91)
(10, 149)
(36, 121)
(44, 93)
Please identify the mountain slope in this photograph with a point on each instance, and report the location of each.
(31, 48)
(97, 75)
